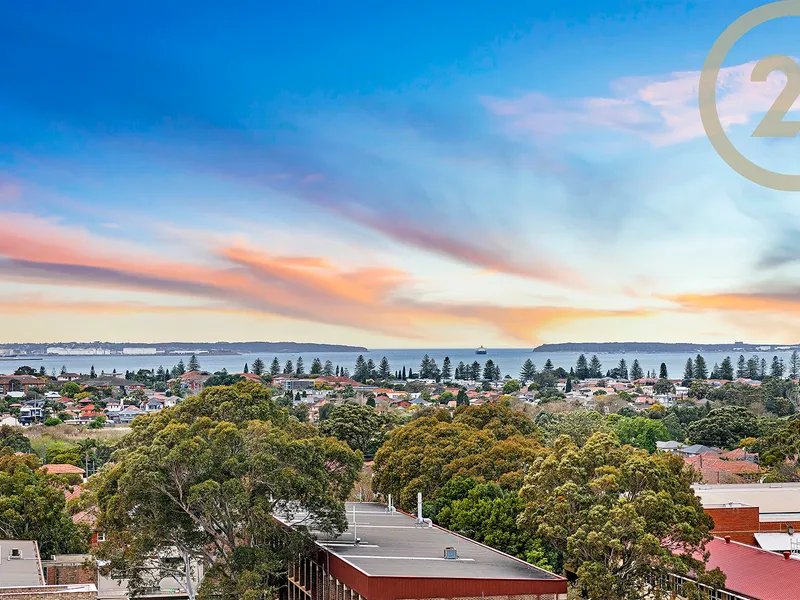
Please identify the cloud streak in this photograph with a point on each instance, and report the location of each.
(661, 110)
(244, 279)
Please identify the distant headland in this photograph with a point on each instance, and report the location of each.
(167, 348)
(659, 347)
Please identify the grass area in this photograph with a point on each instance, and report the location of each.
(71, 434)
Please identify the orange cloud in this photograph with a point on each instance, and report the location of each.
(243, 279)
(739, 302)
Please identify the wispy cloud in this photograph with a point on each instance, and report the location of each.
(239, 278)
(662, 110)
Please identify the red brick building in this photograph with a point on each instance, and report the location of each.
(746, 512)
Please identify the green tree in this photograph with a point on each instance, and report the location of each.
(461, 398)
(688, 370)
(674, 427)
(194, 364)
(528, 371)
(622, 369)
(664, 386)
(662, 372)
(97, 422)
(700, 370)
(447, 369)
(15, 439)
(489, 372)
(181, 368)
(184, 480)
(511, 386)
(617, 516)
(636, 370)
(446, 397)
(639, 432)
(726, 369)
(723, 427)
(490, 442)
(327, 370)
(578, 425)
(361, 371)
(70, 389)
(582, 367)
(488, 513)
(385, 370)
(700, 389)
(777, 368)
(32, 507)
(595, 367)
(92, 373)
(222, 378)
(275, 367)
(288, 368)
(360, 427)
(475, 371)
(741, 367)
(794, 365)
(258, 367)
(300, 371)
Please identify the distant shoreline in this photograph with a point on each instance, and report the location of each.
(169, 348)
(660, 347)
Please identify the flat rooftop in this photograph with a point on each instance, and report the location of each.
(772, 499)
(394, 545)
(24, 571)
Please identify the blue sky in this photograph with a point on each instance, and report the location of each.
(388, 175)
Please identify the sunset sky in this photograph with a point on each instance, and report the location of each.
(388, 174)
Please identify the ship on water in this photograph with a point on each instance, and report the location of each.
(480, 350)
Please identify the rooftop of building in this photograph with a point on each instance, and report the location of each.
(19, 564)
(772, 499)
(392, 544)
(754, 572)
(59, 469)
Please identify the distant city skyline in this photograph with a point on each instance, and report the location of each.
(394, 176)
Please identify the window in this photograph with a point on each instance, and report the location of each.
(101, 537)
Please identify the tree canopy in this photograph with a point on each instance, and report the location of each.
(489, 443)
(360, 427)
(32, 507)
(206, 477)
(616, 515)
(723, 427)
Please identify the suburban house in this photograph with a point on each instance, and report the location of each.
(128, 414)
(194, 381)
(19, 383)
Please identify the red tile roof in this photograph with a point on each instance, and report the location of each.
(62, 469)
(710, 460)
(755, 572)
(738, 454)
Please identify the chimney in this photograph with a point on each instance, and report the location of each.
(419, 507)
(787, 555)
(727, 539)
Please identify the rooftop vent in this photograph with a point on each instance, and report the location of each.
(15, 553)
(450, 553)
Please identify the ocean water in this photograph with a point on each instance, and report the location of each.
(509, 359)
